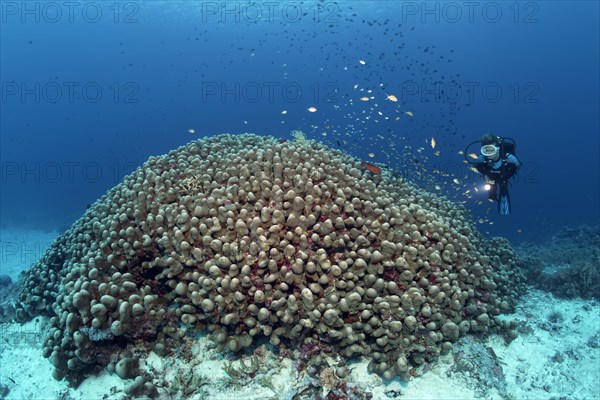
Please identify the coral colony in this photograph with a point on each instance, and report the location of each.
(253, 238)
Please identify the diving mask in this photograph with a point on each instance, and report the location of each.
(489, 150)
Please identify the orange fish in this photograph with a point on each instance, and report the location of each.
(372, 168)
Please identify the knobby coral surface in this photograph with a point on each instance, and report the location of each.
(249, 237)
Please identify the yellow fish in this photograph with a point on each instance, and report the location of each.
(473, 156)
(391, 97)
(409, 113)
(433, 143)
(371, 155)
(312, 109)
(456, 181)
(365, 98)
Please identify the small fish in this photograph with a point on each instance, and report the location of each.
(437, 187)
(473, 156)
(355, 86)
(433, 143)
(312, 109)
(409, 113)
(371, 155)
(362, 62)
(455, 180)
(372, 168)
(391, 97)
(338, 143)
(461, 152)
(192, 131)
(283, 112)
(364, 98)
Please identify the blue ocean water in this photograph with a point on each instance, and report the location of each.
(90, 90)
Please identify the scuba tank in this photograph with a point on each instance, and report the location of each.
(507, 146)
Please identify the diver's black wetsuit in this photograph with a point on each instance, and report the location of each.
(499, 171)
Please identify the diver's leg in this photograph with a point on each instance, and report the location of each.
(504, 199)
(492, 193)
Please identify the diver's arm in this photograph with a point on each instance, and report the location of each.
(482, 168)
(512, 166)
(511, 159)
(481, 165)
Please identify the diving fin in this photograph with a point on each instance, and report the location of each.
(503, 200)
(504, 204)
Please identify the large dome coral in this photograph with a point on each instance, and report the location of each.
(252, 237)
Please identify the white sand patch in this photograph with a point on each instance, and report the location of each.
(22, 367)
(558, 355)
(281, 379)
(105, 385)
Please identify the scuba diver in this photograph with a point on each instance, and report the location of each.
(498, 164)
